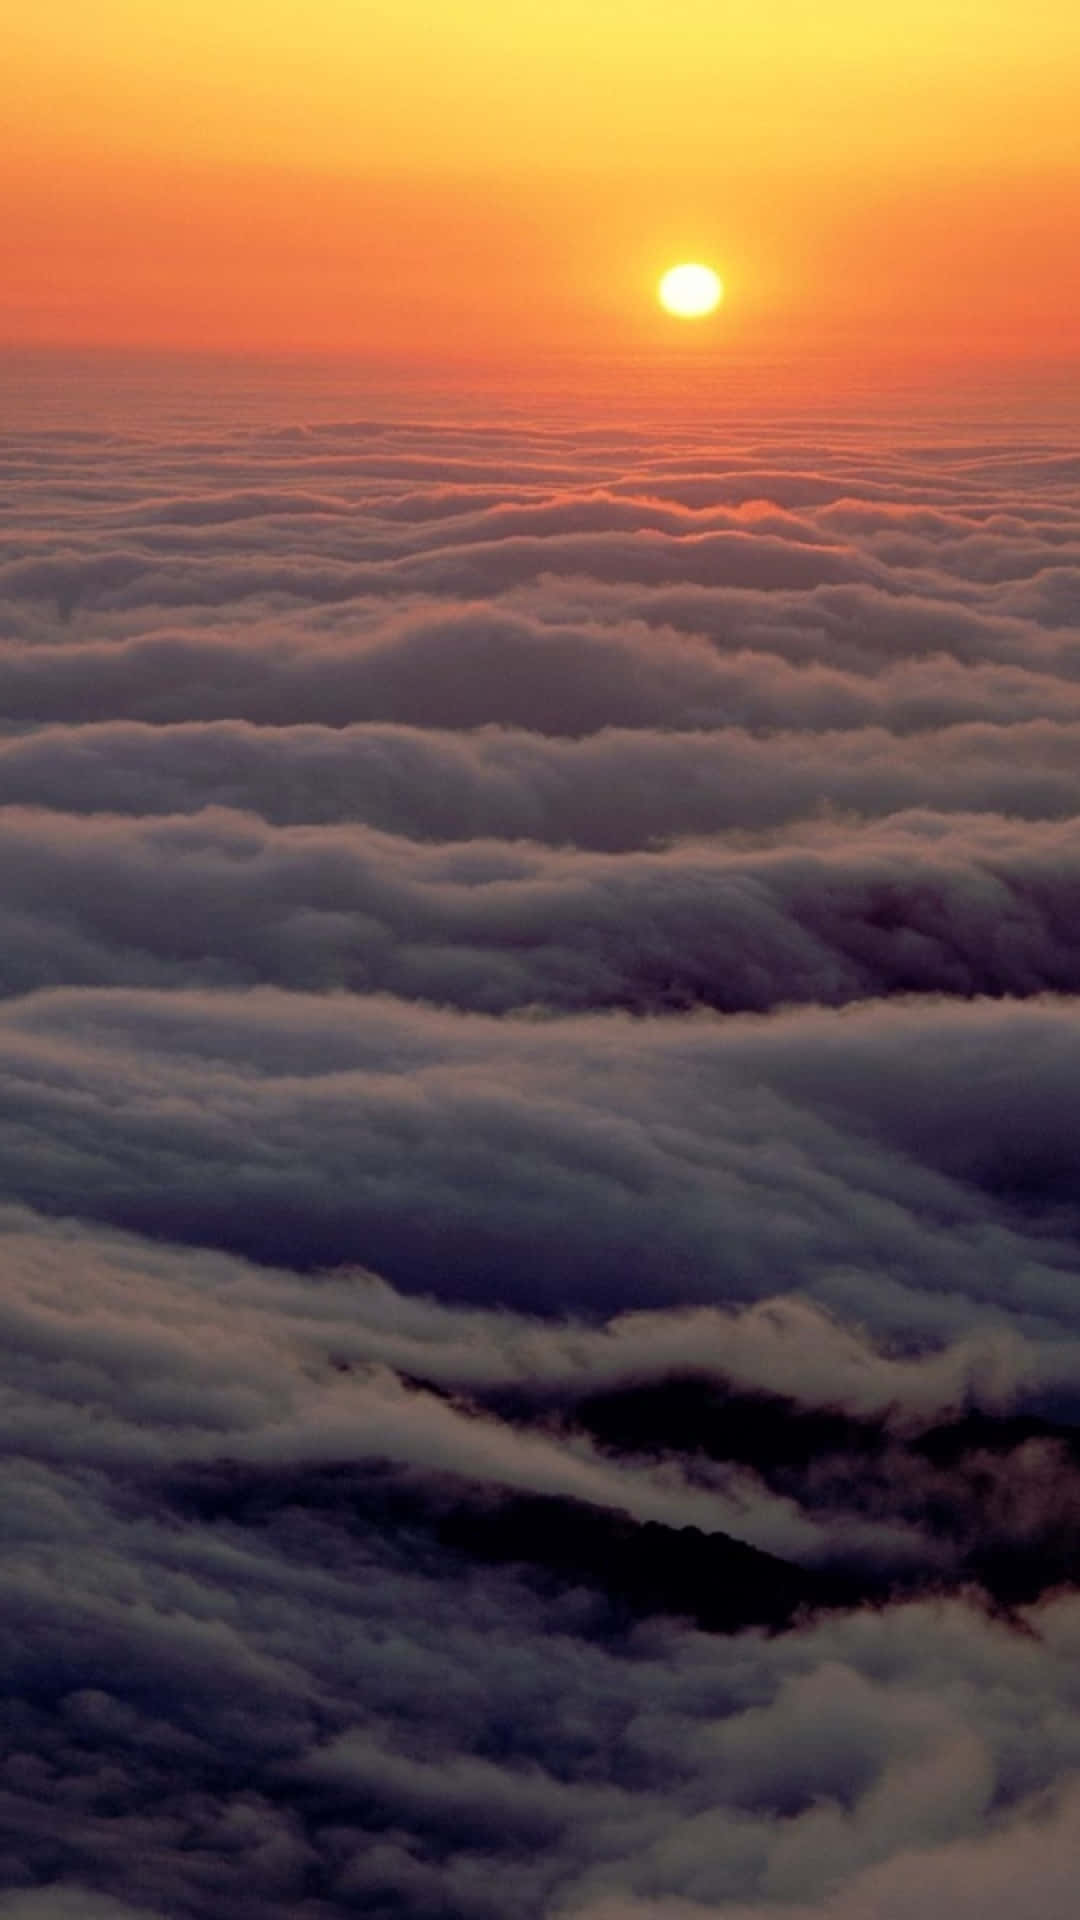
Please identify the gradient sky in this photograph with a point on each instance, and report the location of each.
(493, 178)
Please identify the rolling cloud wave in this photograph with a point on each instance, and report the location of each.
(540, 1021)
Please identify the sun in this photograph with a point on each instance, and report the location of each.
(690, 291)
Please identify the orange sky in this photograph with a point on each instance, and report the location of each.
(501, 178)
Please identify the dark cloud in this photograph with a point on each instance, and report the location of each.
(476, 665)
(965, 905)
(611, 791)
(263, 1649)
(540, 1362)
(916, 1160)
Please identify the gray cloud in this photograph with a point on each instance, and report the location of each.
(611, 791)
(830, 914)
(540, 1362)
(919, 1158)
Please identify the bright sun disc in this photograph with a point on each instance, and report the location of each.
(691, 291)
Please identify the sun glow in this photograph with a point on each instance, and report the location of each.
(498, 182)
(690, 291)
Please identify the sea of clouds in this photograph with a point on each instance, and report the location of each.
(540, 1161)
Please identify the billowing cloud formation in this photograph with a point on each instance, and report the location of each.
(540, 1024)
(826, 915)
(611, 791)
(926, 1155)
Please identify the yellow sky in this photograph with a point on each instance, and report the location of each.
(480, 176)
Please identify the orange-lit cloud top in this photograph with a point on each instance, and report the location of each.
(486, 177)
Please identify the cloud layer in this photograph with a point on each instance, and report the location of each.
(540, 1022)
